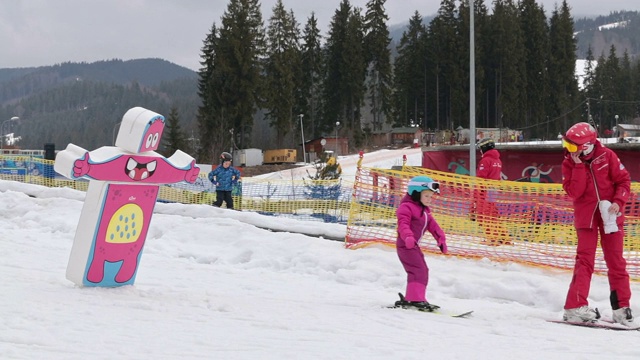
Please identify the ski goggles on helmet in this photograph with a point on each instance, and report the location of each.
(571, 147)
(432, 185)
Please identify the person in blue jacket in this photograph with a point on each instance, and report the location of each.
(224, 177)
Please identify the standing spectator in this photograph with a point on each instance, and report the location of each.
(599, 185)
(487, 214)
(224, 177)
(490, 165)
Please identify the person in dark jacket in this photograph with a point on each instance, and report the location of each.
(414, 219)
(599, 185)
(224, 177)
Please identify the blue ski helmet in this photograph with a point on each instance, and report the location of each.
(420, 183)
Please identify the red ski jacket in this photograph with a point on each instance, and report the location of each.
(601, 178)
(490, 166)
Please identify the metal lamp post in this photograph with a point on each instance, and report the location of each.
(4, 138)
(617, 132)
(337, 124)
(304, 151)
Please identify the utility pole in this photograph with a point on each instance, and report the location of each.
(304, 151)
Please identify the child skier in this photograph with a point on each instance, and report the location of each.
(224, 177)
(414, 219)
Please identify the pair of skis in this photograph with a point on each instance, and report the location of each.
(602, 323)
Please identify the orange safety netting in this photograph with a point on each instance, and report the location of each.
(500, 220)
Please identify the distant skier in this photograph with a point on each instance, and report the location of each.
(224, 177)
(598, 183)
(414, 219)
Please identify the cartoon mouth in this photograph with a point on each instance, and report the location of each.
(137, 171)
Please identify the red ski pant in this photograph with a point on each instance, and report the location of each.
(488, 217)
(612, 247)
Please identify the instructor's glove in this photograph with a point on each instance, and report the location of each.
(608, 219)
(409, 242)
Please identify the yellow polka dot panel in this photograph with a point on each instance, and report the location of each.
(125, 225)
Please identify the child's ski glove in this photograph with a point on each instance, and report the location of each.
(441, 240)
(409, 242)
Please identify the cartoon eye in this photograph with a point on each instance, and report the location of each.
(155, 140)
(149, 140)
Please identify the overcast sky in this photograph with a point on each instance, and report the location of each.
(48, 32)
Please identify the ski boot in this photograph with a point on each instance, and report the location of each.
(418, 305)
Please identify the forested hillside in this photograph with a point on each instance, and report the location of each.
(620, 29)
(83, 103)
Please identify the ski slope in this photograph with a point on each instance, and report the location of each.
(381, 159)
(213, 285)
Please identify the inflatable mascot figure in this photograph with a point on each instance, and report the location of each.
(123, 187)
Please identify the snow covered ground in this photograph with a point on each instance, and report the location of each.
(212, 285)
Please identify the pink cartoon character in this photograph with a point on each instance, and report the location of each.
(123, 188)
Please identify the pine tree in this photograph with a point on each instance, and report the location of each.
(533, 22)
(507, 65)
(599, 86)
(174, 138)
(626, 90)
(209, 111)
(377, 42)
(635, 71)
(446, 53)
(333, 98)
(282, 67)
(345, 73)
(241, 46)
(311, 73)
(409, 74)
(563, 86)
(589, 73)
(610, 84)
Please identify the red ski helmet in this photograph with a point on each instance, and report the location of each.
(579, 137)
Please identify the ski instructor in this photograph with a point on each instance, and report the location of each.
(598, 183)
